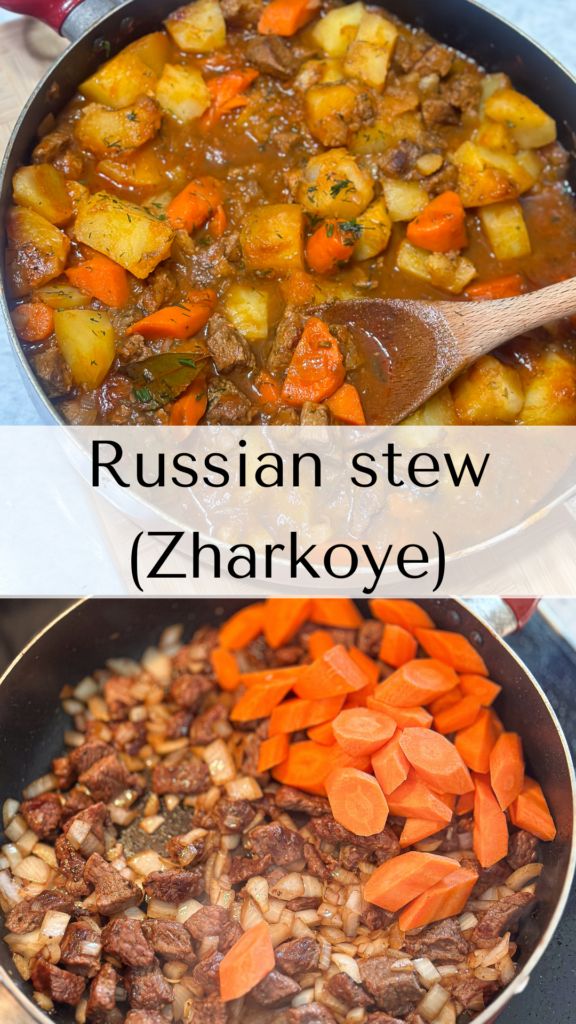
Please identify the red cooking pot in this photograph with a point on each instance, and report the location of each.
(83, 637)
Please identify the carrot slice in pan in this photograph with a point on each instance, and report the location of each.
(356, 801)
(400, 880)
(445, 899)
(398, 646)
(400, 612)
(475, 743)
(249, 960)
(360, 731)
(307, 766)
(507, 768)
(390, 765)
(319, 642)
(225, 668)
(441, 226)
(359, 699)
(447, 700)
(369, 667)
(332, 674)
(465, 803)
(181, 321)
(452, 648)
(283, 618)
(243, 627)
(417, 829)
(339, 612)
(33, 321)
(293, 715)
(459, 716)
(417, 682)
(490, 835)
(285, 17)
(485, 690)
(346, 406)
(413, 799)
(402, 716)
(323, 734)
(531, 812)
(272, 752)
(259, 702)
(268, 676)
(436, 761)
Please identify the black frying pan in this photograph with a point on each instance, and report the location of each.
(99, 28)
(85, 636)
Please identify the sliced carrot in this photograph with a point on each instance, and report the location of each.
(265, 676)
(452, 648)
(193, 206)
(446, 898)
(267, 388)
(475, 743)
(498, 288)
(441, 226)
(356, 801)
(323, 734)
(102, 279)
(339, 612)
(417, 829)
(401, 879)
(390, 765)
(360, 731)
(189, 409)
(306, 767)
(359, 699)
(436, 760)
(246, 963)
(319, 642)
(180, 322)
(399, 612)
(490, 836)
(284, 617)
(465, 803)
(243, 627)
(225, 668)
(272, 752)
(259, 702)
(459, 716)
(332, 674)
(403, 717)
(417, 682)
(531, 812)
(507, 768)
(226, 91)
(33, 321)
(298, 288)
(368, 667)
(218, 222)
(414, 799)
(317, 369)
(329, 246)
(483, 689)
(293, 715)
(346, 406)
(285, 17)
(447, 700)
(398, 646)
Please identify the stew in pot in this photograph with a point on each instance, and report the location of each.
(215, 181)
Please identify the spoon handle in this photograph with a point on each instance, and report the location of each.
(480, 326)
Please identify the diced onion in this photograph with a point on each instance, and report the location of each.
(162, 911)
(54, 924)
(33, 869)
(187, 909)
(12, 854)
(427, 971)
(9, 811)
(257, 888)
(147, 861)
(10, 890)
(123, 666)
(27, 842)
(16, 829)
(294, 885)
(27, 943)
(122, 816)
(250, 914)
(46, 852)
(467, 921)
(348, 965)
(522, 876)
(72, 707)
(220, 763)
(447, 1014)
(44, 784)
(244, 788)
(158, 665)
(303, 998)
(85, 689)
(433, 1002)
(149, 825)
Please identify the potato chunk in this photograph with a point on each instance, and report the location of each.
(530, 126)
(550, 397)
(369, 55)
(437, 411)
(336, 30)
(153, 50)
(42, 188)
(506, 230)
(404, 199)
(198, 27)
(329, 110)
(120, 81)
(489, 176)
(183, 93)
(126, 233)
(62, 296)
(109, 132)
(37, 250)
(452, 273)
(142, 169)
(247, 309)
(333, 185)
(272, 238)
(375, 228)
(489, 392)
(86, 340)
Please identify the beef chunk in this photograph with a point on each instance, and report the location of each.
(289, 799)
(130, 736)
(178, 724)
(251, 755)
(75, 801)
(119, 697)
(43, 814)
(72, 865)
(29, 914)
(319, 863)
(107, 778)
(442, 942)
(436, 110)
(376, 918)
(185, 777)
(348, 991)
(208, 1011)
(283, 844)
(227, 404)
(145, 1017)
(124, 939)
(435, 60)
(288, 332)
(312, 1013)
(61, 986)
(102, 996)
(290, 654)
(502, 917)
(175, 886)
(206, 973)
(271, 55)
(82, 758)
(275, 989)
(243, 868)
(444, 180)
(311, 414)
(206, 727)
(297, 956)
(113, 892)
(370, 637)
(74, 951)
(242, 13)
(206, 922)
(473, 992)
(169, 940)
(62, 769)
(91, 823)
(147, 988)
(397, 162)
(234, 816)
(463, 90)
(188, 690)
(522, 849)
(396, 992)
(384, 843)
(227, 346)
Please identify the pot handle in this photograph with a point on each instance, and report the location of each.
(522, 608)
(62, 15)
(504, 614)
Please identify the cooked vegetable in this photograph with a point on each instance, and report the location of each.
(334, 32)
(329, 107)
(112, 132)
(37, 251)
(272, 752)
(404, 199)
(490, 828)
(398, 612)
(436, 760)
(251, 958)
(120, 81)
(181, 322)
(334, 673)
(42, 188)
(285, 17)
(529, 125)
(441, 227)
(390, 765)
(447, 898)
(488, 176)
(260, 701)
(295, 715)
(242, 627)
(356, 801)
(339, 612)
(498, 288)
(453, 648)
(506, 230)
(346, 406)
(192, 207)
(402, 879)
(317, 367)
(323, 734)
(368, 56)
(86, 341)
(141, 169)
(225, 666)
(507, 768)
(398, 646)
(126, 233)
(417, 682)
(272, 238)
(417, 829)
(283, 618)
(62, 296)
(412, 716)
(33, 321)
(475, 744)
(160, 379)
(189, 409)
(183, 93)
(226, 93)
(360, 731)
(450, 272)
(374, 229)
(550, 395)
(102, 279)
(489, 392)
(198, 27)
(331, 245)
(333, 185)
(530, 811)
(247, 308)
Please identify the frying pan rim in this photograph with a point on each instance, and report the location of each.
(522, 979)
(15, 345)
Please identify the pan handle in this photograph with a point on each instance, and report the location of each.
(70, 18)
(504, 614)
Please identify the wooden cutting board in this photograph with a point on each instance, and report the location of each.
(27, 48)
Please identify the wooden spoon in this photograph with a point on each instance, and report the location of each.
(421, 346)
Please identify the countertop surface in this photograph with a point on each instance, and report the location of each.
(552, 24)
